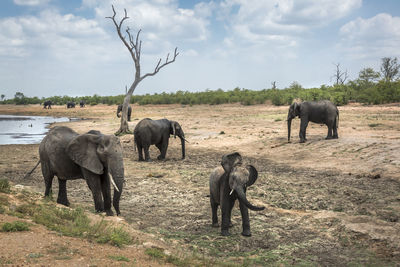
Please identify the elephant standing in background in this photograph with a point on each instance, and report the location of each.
(323, 112)
(228, 183)
(119, 109)
(71, 105)
(157, 132)
(91, 156)
(47, 104)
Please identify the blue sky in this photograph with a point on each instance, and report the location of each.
(55, 47)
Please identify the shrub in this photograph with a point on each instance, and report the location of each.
(15, 227)
(4, 186)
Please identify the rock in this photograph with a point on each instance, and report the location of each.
(150, 244)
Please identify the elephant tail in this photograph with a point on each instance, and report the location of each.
(29, 173)
(337, 120)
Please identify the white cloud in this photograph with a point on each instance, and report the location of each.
(161, 21)
(378, 36)
(31, 2)
(50, 32)
(281, 21)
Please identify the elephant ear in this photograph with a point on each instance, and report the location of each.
(230, 160)
(253, 174)
(83, 151)
(173, 126)
(297, 109)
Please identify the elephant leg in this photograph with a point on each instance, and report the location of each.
(303, 128)
(329, 136)
(225, 213)
(245, 220)
(159, 146)
(105, 188)
(62, 192)
(94, 183)
(335, 133)
(140, 151)
(226, 210)
(214, 211)
(146, 152)
(330, 128)
(163, 146)
(48, 178)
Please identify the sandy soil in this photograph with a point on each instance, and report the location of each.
(329, 202)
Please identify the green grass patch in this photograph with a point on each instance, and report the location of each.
(159, 255)
(116, 237)
(3, 203)
(34, 255)
(373, 125)
(119, 258)
(16, 226)
(5, 186)
(73, 222)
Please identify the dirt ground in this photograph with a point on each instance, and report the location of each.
(328, 202)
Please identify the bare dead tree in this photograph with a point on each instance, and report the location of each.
(273, 85)
(134, 46)
(340, 77)
(389, 68)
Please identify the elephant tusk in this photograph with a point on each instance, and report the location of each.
(113, 183)
(231, 192)
(186, 140)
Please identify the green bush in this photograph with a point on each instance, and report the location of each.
(16, 226)
(358, 90)
(4, 186)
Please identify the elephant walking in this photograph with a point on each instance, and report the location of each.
(323, 112)
(119, 109)
(47, 104)
(228, 183)
(91, 156)
(157, 132)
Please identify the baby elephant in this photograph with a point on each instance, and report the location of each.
(228, 183)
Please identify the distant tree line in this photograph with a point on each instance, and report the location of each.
(371, 87)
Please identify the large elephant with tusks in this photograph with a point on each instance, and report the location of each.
(91, 156)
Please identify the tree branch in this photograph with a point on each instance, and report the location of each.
(158, 67)
(118, 26)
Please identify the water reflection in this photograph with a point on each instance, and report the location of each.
(25, 129)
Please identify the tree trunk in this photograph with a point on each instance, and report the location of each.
(124, 127)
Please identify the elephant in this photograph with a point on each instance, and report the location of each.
(47, 104)
(71, 105)
(82, 103)
(157, 132)
(228, 183)
(91, 156)
(119, 109)
(323, 112)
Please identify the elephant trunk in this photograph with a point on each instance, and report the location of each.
(117, 180)
(289, 125)
(183, 147)
(242, 198)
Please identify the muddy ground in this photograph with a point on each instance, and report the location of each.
(328, 202)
